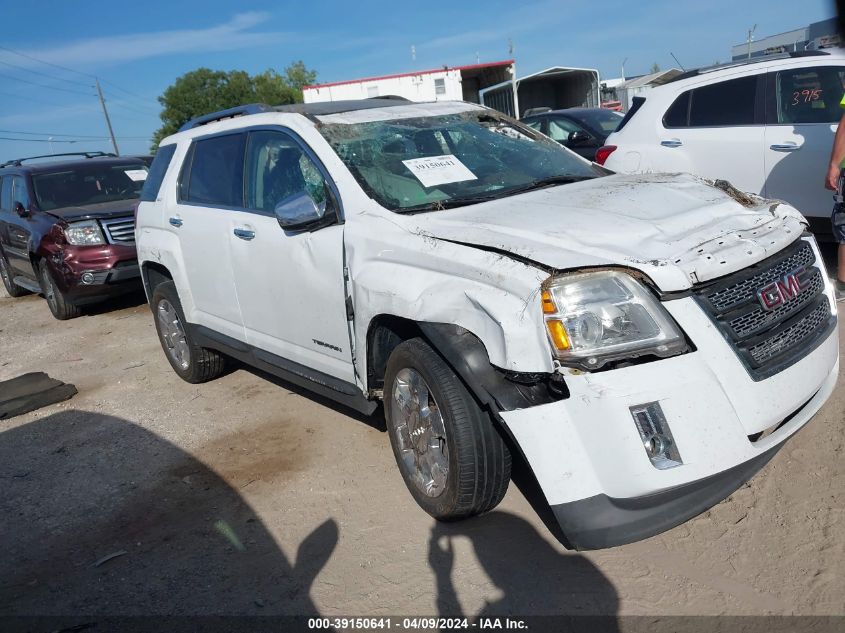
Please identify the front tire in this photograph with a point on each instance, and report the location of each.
(191, 362)
(61, 308)
(12, 289)
(451, 457)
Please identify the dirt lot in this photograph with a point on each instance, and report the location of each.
(242, 496)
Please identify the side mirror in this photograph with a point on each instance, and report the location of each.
(299, 211)
(21, 210)
(579, 138)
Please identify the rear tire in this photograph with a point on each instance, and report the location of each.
(191, 362)
(12, 289)
(451, 456)
(61, 308)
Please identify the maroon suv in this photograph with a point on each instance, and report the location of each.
(67, 228)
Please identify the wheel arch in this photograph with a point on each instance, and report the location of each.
(153, 274)
(495, 389)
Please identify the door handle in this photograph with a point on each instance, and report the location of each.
(671, 142)
(785, 147)
(177, 222)
(244, 234)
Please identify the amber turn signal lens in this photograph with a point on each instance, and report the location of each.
(549, 306)
(557, 331)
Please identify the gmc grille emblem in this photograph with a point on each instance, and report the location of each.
(781, 290)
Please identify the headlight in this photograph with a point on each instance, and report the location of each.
(592, 318)
(85, 233)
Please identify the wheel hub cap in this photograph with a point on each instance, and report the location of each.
(173, 334)
(419, 433)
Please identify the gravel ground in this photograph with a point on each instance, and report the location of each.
(245, 496)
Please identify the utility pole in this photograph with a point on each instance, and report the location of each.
(108, 121)
(514, 83)
(750, 39)
(623, 68)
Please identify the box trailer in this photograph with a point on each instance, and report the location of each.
(449, 83)
(557, 87)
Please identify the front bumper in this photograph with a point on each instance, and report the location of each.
(602, 521)
(589, 460)
(87, 274)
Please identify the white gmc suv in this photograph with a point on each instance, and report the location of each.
(645, 342)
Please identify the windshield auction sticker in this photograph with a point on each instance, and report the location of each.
(438, 170)
(137, 175)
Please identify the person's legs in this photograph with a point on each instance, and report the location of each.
(840, 271)
(837, 220)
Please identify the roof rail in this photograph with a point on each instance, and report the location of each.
(390, 97)
(251, 108)
(744, 62)
(17, 161)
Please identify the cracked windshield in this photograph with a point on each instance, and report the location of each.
(432, 163)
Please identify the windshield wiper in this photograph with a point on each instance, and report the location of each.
(540, 183)
(440, 205)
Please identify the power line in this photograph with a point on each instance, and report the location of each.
(134, 109)
(130, 93)
(27, 98)
(35, 72)
(40, 85)
(36, 140)
(41, 61)
(76, 136)
(134, 139)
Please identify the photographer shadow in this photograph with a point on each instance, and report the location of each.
(103, 518)
(533, 576)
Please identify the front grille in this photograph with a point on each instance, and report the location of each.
(793, 334)
(119, 231)
(770, 340)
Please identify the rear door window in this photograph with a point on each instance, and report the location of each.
(723, 104)
(214, 173)
(20, 192)
(560, 129)
(808, 95)
(158, 169)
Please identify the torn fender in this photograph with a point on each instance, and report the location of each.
(494, 388)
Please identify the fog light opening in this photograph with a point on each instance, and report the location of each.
(656, 435)
(87, 278)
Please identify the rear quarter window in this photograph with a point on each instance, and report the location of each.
(161, 161)
(806, 95)
(6, 193)
(636, 104)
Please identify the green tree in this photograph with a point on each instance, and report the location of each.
(655, 67)
(204, 90)
(298, 76)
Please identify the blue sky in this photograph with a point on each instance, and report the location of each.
(138, 48)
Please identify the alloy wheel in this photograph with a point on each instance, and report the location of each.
(173, 334)
(419, 433)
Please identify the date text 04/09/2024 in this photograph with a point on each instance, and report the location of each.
(416, 623)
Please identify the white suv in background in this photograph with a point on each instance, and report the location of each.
(766, 126)
(645, 342)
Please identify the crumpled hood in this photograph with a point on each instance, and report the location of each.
(676, 228)
(101, 210)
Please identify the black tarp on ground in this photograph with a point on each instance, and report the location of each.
(30, 392)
